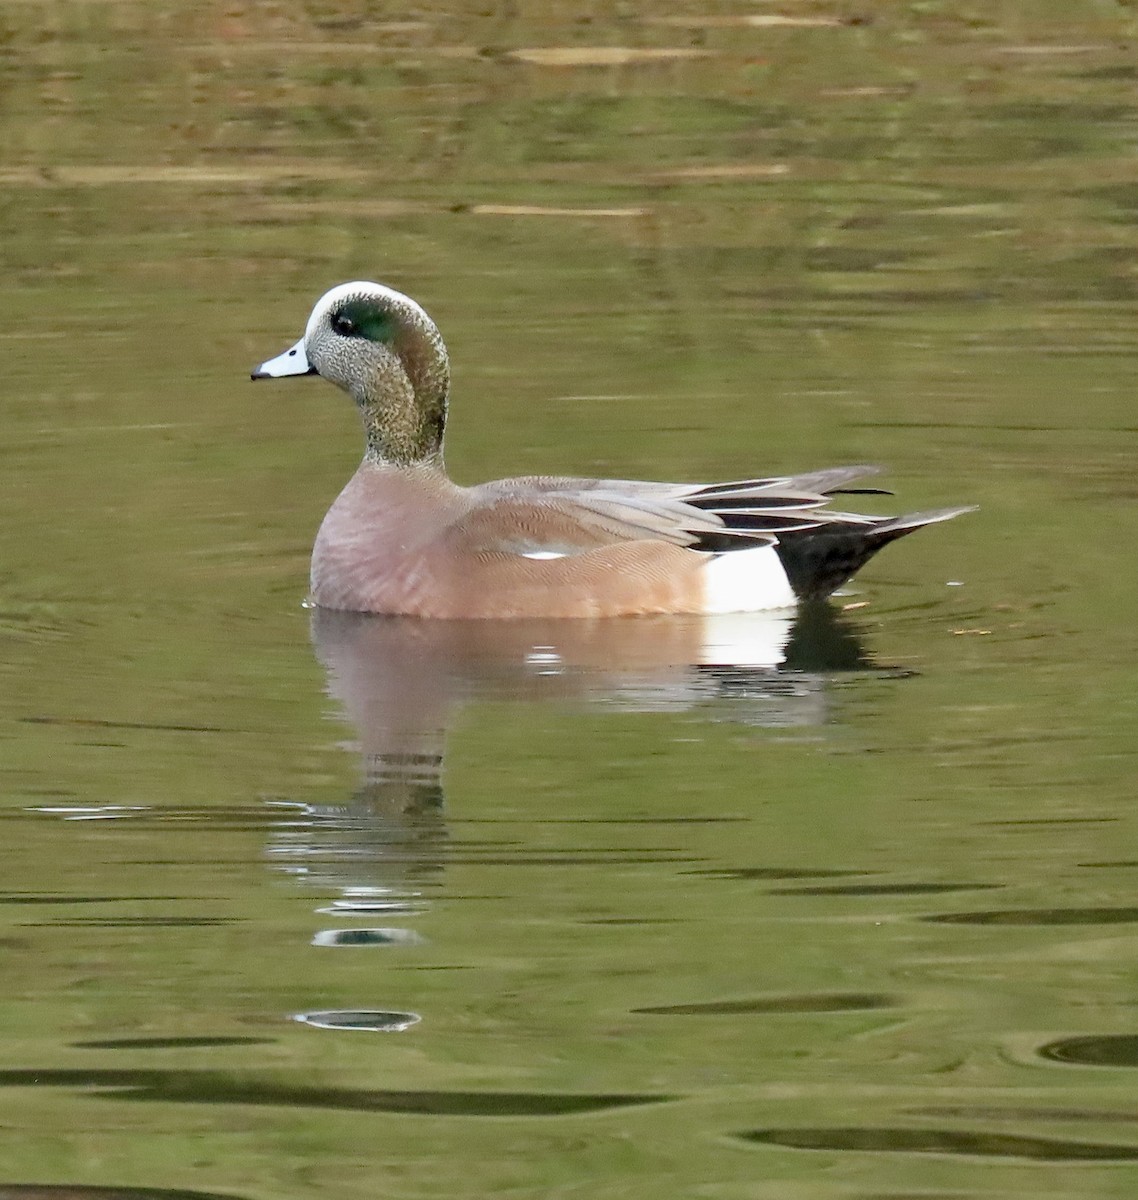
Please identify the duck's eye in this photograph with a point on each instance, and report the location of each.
(363, 319)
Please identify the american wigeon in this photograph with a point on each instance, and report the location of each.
(402, 538)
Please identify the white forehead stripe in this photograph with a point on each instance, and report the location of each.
(359, 288)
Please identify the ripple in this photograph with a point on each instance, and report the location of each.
(651, 820)
(133, 922)
(392, 908)
(1106, 1050)
(921, 1195)
(216, 1087)
(36, 898)
(822, 1002)
(148, 726)
(1040, 916)
(943, 1141)
(882, 889)
(1021, 1112)
(373, 1020)
(168, 1043)
(368, 937)
(1032, 822)
(602, 56)
(631, 921)
(577, 858)
(772, 873)
(79, 1191)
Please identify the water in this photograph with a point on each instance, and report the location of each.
(297, 905)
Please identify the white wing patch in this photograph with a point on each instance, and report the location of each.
(746, 581)
(543, 554)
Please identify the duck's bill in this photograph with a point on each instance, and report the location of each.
(291, 362)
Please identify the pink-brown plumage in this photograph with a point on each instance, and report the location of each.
(412, 542)
(402, 538)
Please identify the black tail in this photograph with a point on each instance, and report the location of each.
(818, 561)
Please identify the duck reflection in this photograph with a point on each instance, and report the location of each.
(401, 682)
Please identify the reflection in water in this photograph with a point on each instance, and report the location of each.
(401, 683)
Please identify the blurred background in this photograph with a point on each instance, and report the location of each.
(581, 917)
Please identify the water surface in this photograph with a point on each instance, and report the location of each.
(297, 905)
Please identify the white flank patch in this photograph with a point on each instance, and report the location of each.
(543, 554)
(746, 581)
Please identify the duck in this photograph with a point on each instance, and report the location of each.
(403, 539)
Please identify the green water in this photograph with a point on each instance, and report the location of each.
(861, 928)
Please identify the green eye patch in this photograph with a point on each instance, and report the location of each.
(363, 318)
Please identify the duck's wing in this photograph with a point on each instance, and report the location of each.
(539, 515)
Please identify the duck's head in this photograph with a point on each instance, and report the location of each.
(383, 349)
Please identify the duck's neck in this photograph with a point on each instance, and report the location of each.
(403, 429)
